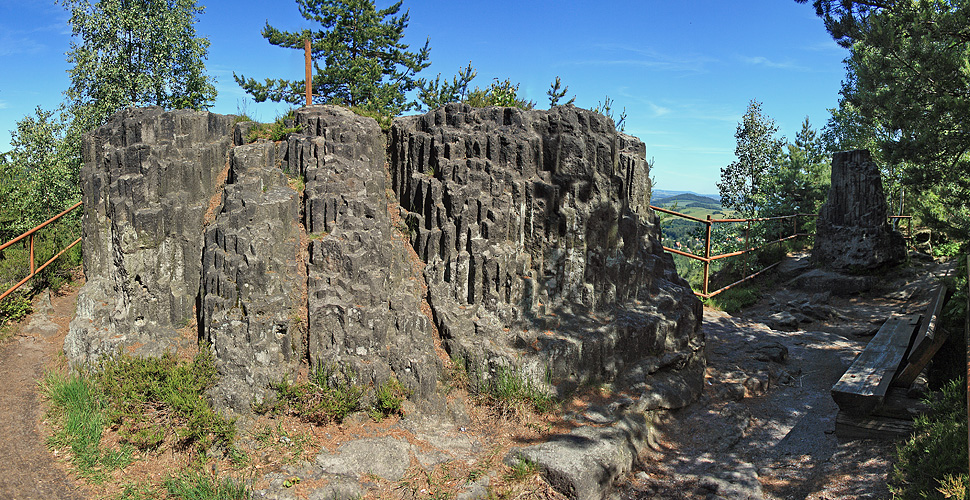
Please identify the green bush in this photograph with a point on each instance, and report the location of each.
(499, 93)
(150, 399)
(332, 394)
(934, 460)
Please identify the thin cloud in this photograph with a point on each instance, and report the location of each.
(658, 110)
(4, 105)
(12, 44)
(768, 63)
(625, 55)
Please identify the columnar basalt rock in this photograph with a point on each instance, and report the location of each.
(253, 279)
(532, 247)
(364, 292)
(147, 180)
(542, 252)
(853, 232)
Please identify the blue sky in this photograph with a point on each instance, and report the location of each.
(684, 71)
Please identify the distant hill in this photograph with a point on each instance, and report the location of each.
(662, 196)
(689, 200)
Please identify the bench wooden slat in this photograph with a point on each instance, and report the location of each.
(863, 386)
(928, 341)
(849, 426)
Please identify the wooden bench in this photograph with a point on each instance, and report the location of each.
(872, 393)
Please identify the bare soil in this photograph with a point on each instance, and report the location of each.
(28, 471)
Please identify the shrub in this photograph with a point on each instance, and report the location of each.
(934, 460)
(151, 399)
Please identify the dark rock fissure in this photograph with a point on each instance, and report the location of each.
(533, 228)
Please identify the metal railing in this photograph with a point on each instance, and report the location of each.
(707, 258)
(34, 268)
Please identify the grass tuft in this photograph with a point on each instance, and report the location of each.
(79, 414)
(198, 486)
(932, 463)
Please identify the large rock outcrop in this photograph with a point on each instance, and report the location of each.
(147, 180)
(524, 236)
(541, 249)
(853, 232)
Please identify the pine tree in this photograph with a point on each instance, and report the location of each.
(364, 62)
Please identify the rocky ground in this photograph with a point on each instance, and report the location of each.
(764, 427)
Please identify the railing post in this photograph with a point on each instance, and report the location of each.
(707, 255)
(309, 82)
(33, 265)
(747, 244)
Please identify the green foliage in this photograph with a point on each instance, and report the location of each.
(389, 398)
(200, 486)
(800, 178)
(331, 394)
(605, 108)
(511, 389)
(746, 182)
(14, 308)
(935, 457)
(79, 416)
(151, 399)
(276, 131)
(734, 299)
(555, 93)
(135, 53)
(365, 62)
(40, 178)
(436, 94)
(499, 93)
(906, 82)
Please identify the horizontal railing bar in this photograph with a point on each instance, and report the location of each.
(678, 214)
(39, 269)
(738, 282)
(761, 219)
(765, 245)
(38, 228)
(686, 254)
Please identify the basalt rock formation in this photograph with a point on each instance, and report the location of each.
(541, 250)
(524, 238)
(853, 232)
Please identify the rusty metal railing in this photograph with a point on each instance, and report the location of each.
(34, 269)
(707, 258)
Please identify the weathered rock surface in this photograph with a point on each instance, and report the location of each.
(584, 463)
(541, 251)
(532, 230)
(853, 230)
(364, 290)
(253, 278)
(147, 180)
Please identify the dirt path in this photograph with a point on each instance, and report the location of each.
(765, 426)
(27, 470)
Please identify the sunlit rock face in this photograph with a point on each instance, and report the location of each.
(541, 250)
(509, 240)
